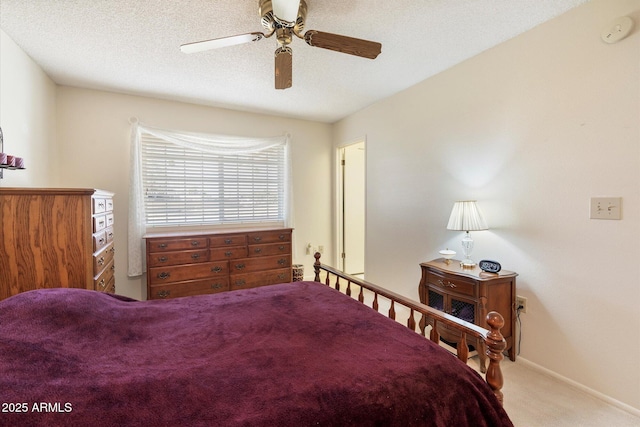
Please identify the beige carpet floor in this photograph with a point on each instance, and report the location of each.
(532, 399)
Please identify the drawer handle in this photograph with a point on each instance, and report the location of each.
(228, 241)
(282, 261)
(281, 248)
(195, 243)
(257, 250)
(216, 286)
(101, 222)
(101, 241)
(228, 253)
(113, 267)
(112, 250)
(281, 237)
(101, 260)
(240, 282)
(216, 269)
(111, 235)
(240, 266)
(163, 294)
(257, 238)
(446, 284)
(162, 245)
(102, 283)
(281, 276)
(101, 204)
(162, 259)
(163, 275)
(195, 256)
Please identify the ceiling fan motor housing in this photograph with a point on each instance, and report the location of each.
(270, 22)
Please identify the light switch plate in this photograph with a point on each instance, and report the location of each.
(605, 208)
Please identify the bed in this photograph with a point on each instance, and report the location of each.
(294, 354)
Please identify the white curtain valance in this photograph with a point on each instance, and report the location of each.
(210, 143)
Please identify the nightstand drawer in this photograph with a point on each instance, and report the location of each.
(452, 284)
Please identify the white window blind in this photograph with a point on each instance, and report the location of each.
(186, 186)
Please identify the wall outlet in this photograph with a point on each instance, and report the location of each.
(521, 304)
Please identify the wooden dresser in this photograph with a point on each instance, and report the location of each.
(469, 294)
(181, 264)
(56, 238)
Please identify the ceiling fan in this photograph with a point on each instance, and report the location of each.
(285, 19)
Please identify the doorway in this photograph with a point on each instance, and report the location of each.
(352, 208)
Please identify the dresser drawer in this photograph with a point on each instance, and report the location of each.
(110, 219)
(253, 280)
(233, 252)
(270, 249)
(101, 282)
(271, 236)
(99, 223)
(453, 284)
(99, 240)
(227, 240)
(158, 259)
(248, 265)
(189, 288)
(109, 232)
(99, 205)
(179, 273)
(164, 245)
(103, 258)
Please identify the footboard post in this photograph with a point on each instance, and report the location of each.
(316, 266)
(495, 346)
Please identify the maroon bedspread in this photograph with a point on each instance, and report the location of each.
(296, 354)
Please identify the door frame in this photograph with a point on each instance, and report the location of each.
(339, 260)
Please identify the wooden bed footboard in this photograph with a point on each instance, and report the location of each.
(493, 340)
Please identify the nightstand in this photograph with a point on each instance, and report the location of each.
(469, 294)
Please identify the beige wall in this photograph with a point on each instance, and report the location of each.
(27, 117)
(531, 129)
(93, 135)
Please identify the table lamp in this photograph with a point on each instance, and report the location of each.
(465, 216)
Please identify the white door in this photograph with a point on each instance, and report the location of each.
(353, 205)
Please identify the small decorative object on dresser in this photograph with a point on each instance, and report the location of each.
(56, 237)
(469, 294)
(184, 264)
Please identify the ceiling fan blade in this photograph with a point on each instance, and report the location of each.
(286, 10)
(221, 42)
(284, 65)
(344, 44)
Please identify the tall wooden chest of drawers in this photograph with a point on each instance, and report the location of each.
(56, 238)
(180, 264)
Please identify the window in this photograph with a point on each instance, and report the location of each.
(186, 186)
(193, 179)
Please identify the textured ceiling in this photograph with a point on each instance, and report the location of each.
(132, 47)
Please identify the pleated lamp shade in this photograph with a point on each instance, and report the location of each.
(465, 216)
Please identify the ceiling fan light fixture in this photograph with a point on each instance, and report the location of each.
(286, 11)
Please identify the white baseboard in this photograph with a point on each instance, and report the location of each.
(627, 408)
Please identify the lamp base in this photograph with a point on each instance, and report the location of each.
(467, 263)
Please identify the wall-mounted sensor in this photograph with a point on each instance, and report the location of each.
(617, 30)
